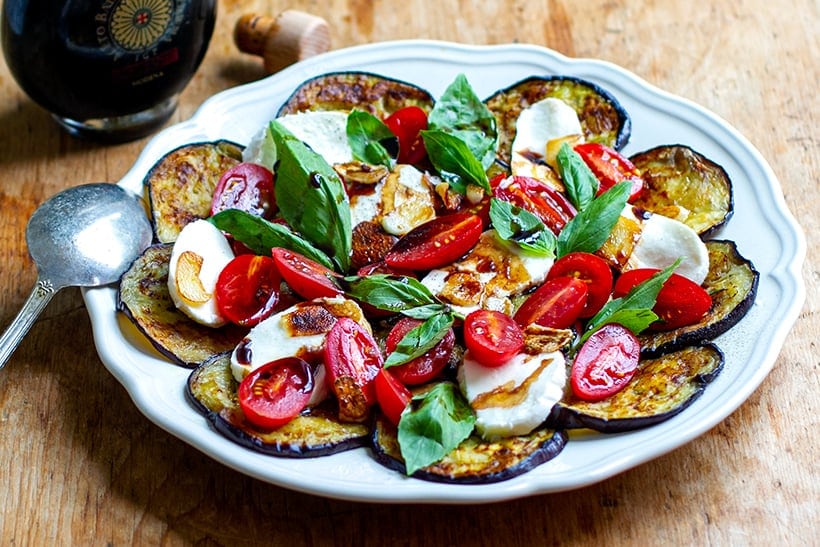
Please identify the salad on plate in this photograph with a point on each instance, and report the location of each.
(451, 282)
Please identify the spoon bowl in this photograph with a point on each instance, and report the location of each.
(85, 236)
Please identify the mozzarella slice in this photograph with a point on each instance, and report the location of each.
(663, 240)
(200, 253)
(407, 200)
(325, 132)
(298, 331)
(516, 397)
(547, 120)
(491, 272)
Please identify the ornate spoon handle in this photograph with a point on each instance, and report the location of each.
(40, 296)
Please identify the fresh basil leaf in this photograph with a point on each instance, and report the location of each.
(580, 182)
(519, 226)
(632, 310)
(454, 161)
(388, 292)
(590, 228)
(311, 198)
(420, 340)
(436, 423)
(261, 236)
(461, 113)
(366, 134)
(427, 311)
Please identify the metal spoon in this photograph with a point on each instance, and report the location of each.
(85, 236)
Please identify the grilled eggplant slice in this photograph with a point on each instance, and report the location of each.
(683, 184)
(181, 184)
(732, 284)
(661, 388)
(316, 432)
(376, 94)
(144, 298)
(475, 461)
(602, 117)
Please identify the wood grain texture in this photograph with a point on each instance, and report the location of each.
(79, 463)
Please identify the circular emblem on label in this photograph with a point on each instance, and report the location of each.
(139, 24)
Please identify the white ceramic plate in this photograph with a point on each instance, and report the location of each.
(762, 226)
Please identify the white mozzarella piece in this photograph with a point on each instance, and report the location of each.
(663, 240)
(325, 132)
(205, 240)
(514, 272)
(270, 340)
(538, 124)
(366, 207)
(410, 202)
(516, 397)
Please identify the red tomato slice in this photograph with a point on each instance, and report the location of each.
(352, 360)
(436, 243)
(605, 363)
(308, 278)
(407, 123)
(537, 197)
(275, 393)
(593, 271)
(680, 302)
(610, 167)
(492, 337)
(247, 289)
(393, 397)
(555, 304)
(426, 367)
(245, 186)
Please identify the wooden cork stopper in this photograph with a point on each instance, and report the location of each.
(282, 40)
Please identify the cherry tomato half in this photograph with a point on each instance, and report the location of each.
(247, 289)
(307, 278)
(555, 304)
(426, 367)
(592, 270)
(537, 197)
(407, 123)
(245, 186)
(680, 302)
(610, 167)
(492, 337)
(605, 363)
(393, 397)
(436, 242)
(273, 394)
(352, 360)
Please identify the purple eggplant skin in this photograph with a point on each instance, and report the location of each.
(681, 183)
(181, 184)
(603, 119)
(731, 282)
(144, 298)
(662, 387)
(475, 461)
(378, 95)
(211, 389)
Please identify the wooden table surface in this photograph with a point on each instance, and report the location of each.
(79, 463)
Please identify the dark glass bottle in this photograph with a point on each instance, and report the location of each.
(106, 69)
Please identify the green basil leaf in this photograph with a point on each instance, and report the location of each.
(388, 292)
(632, 310)
(522, 228)
(461, 113)
(311, 198)
(580, 182)
(427, 311)
(261, 236)
(590, 228)
(420, 340)
(454, 161)
(436, 423)
(366, 133)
